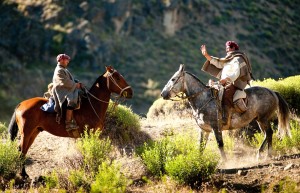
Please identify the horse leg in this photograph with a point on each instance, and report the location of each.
(203, 139)
(26, 142)
(265, 127)
(219, 138)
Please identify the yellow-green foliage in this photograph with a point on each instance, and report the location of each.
(284, 145)
(10, 161)
(94, 150)
(289, 88)
(179, 157)
(285, 185)
(123, 116)
(122, 125)
(109, 179)
(79, 179)
(94, 170)
(3, 128)
(51, 181)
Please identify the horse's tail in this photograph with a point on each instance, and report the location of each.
(13, 127)
(283, 117)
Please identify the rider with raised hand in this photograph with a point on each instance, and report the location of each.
(234, 73)
(66, 91)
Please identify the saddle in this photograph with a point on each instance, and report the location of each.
(240, 98)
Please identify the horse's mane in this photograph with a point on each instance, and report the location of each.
(194, 76)
(98, 80)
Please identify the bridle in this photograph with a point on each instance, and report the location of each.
(109, 76)
(118, 98)
(181, 94)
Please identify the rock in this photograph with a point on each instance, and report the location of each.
(289, 166)
(242, 172)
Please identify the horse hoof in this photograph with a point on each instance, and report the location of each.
(24, 175)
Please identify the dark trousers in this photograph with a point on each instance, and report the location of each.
(228, 95)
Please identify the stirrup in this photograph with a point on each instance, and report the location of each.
(71, 125)
(72, 129)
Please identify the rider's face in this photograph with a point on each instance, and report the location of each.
(64, 62)
(229, 49)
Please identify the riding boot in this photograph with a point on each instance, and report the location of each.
(240, 106)
(226, 114)
(70, 122)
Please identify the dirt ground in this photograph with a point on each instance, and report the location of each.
(241, 173)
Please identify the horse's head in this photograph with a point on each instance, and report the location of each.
(116, 83)
(175, 85)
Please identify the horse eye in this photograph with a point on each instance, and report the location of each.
(173, 79)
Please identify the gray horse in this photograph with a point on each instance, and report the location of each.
(262, 105)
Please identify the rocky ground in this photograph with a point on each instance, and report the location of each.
(241, 173)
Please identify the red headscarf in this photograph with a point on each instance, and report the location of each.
(62, 56)
(232, 44)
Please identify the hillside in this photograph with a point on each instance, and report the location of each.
(144, 40)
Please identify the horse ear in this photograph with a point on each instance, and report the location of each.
(109, 68)
(181, 67)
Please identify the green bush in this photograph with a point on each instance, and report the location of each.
(10, 161)
(286, 144)
(192, 167)
(180, 158)
(94, 150)
(122, 126)
(51, 181)
(109, 179)
(285, 185)
(289, 88)
(3, 128)
(154, 155)
(123, 116)
(79, 180)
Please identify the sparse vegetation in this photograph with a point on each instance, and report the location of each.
(285, 185)
(10, 158)
(180, 158)
(3, 129)
(92, 171)
(288, 87)
(286, 145)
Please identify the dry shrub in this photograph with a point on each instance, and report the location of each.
(166, 108)
(123, 128)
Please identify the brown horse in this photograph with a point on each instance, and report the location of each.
(31, 120)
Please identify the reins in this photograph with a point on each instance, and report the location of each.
(118, 98)
(182, 97)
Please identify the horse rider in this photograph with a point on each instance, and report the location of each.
(66, 91)
(234, 73)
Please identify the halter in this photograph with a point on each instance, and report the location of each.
(109, 77)
(191, 96)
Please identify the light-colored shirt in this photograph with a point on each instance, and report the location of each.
(230, 69)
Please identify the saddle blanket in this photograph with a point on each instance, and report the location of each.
(49, 106)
